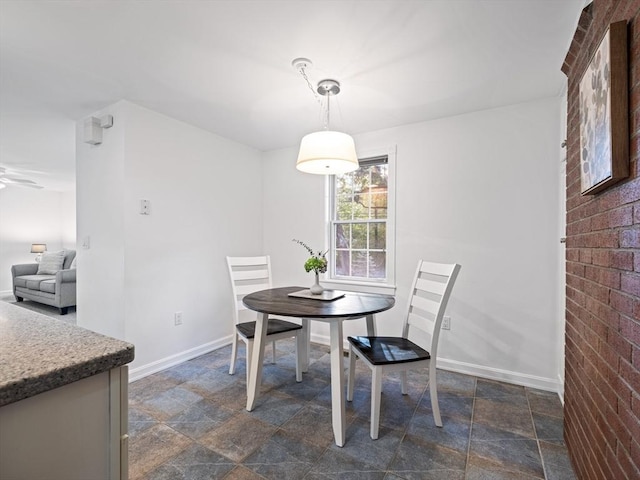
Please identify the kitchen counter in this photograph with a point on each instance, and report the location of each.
(63, 400)
(38, 353)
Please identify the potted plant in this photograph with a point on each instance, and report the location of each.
(316, 262)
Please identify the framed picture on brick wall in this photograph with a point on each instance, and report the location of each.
(604, 121)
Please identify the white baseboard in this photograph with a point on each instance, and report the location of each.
(324, 340)
(516, 378)
(6, 293)
(172, 360)
(561, 389)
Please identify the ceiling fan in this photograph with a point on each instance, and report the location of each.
(13, 180)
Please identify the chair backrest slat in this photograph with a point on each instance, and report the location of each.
(443, 269)
(242, 290)
(430, 293)
(247, 275)
(432, 286)
(422, 322)
(248, 261)
(425, 304)
(251, 275)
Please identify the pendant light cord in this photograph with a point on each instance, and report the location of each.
(329, 88)
(303, 72)
(328, 117)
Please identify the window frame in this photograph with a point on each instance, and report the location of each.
(386, 285)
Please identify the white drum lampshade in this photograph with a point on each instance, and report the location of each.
(327, 153)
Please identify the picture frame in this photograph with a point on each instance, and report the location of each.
(604, 120)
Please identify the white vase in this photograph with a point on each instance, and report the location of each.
(316, 288)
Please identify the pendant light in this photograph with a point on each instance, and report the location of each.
(326, 152)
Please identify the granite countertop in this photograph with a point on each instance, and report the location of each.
(39, 353)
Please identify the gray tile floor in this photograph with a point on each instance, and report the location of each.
(189, 422)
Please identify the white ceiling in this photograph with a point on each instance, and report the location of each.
(225, 66)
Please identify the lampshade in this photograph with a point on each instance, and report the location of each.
(327, 153)
(38, 247)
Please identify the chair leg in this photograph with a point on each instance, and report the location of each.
(249, 346)
(403, 382)
(376, 390)
(299, 353)
(234, 354)
(351, 380)
(433, 389)
(273, 352)
(306, 335)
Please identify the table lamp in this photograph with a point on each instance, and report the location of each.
(38, 248)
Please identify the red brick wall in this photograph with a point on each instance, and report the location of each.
(602, 365)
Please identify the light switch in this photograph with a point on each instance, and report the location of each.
(86, 242)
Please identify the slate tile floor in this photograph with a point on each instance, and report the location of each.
(190, 422)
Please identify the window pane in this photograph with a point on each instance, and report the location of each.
(377, 265)
(344, 207)
(378, 207)
(378, 204)
(360, 180)
(378, 236)
(343, 235)
(359, 235)
(379, 175)
(342, 263)
(359, 264)
(361, 206)
(344, 185)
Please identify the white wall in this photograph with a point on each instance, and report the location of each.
(478, 189)
(99, 193)
(206, 202)
(562, 227)
(33, 216)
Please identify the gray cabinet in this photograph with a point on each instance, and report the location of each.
(74, 432)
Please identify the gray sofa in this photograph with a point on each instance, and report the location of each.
(57, 290)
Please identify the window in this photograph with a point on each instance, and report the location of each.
(361, 223)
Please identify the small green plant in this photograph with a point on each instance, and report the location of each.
(317, 262)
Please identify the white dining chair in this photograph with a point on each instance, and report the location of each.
(428, 299)
(248, 275)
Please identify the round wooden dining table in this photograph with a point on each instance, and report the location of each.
(298, 302)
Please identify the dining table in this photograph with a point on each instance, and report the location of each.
(332, 307)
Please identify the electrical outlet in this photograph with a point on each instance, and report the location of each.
(177, 318)
(446, 323)
(145, 207)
